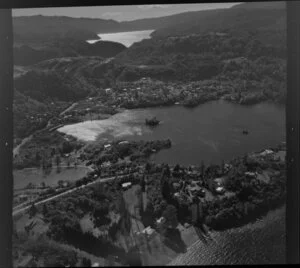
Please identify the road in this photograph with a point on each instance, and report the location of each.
(17, 148)
(25, 140)
(69, 108)
(100, 180)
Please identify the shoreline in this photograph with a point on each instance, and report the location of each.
(123, 111)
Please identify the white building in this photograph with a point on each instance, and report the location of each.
(106, 146)
(148, 230)
(250, 174)
(220, 190)
(126, 185)
(266, 152)
(160, 220)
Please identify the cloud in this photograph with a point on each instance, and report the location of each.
(145, 7)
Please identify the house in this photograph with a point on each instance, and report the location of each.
(220, 190)
(106, 146)
(219, 181)
(148, 231)
(177, 194)
(266, 152)
(250, 174)
(126, 185)
(160, 220)
(108, 90)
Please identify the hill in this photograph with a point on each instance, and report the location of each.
(267, 25)
(254, 17)
(27, 55)
(63, 79)
(36, 29)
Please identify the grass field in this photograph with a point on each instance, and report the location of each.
(23, 177)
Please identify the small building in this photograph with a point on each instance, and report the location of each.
(107, 90)
(220, 190)
(161, 220)
(126, 185)
(219, 181)
(107, 146)
(177, 194)
(250, 174)
(96, 264)
(266, 152)
(148, 231)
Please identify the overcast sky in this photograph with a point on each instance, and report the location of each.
(120, 13)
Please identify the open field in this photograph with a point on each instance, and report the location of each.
(23, 177)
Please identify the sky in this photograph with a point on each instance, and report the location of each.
(120, 13)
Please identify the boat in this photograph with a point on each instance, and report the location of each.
(245, 132)
(152, 122)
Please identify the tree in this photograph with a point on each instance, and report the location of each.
(147, 167)
(37, 157)
(167, 172)
(45, 209)
(165, 190)
(170, 215)
(223, 166)
(57, 160)
(60, 183)
(52, 152)
(32, 210)
(202, 168)
(86, 262)
(143, 184)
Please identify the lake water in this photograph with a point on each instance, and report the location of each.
(125, 38)
(210, 132)
(262, 242)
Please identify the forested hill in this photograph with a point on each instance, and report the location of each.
(250, 16)
(36, 29)
(27, 55)
(266, 24)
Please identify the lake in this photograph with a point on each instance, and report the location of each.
(261, 242)
(125, 38)
(211, 132)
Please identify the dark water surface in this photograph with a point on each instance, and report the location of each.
(213, 131)
(262, 242)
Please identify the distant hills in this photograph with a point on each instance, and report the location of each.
(37, 29)
(55, 63)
